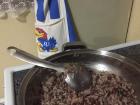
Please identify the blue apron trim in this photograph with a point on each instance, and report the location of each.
(72, 33)
(54, 9)
(40, 11)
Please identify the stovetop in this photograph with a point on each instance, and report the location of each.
(132, 52)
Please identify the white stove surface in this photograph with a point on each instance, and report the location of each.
(8, 83)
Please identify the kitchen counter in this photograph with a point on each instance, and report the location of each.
(130, 50)
(19, 34)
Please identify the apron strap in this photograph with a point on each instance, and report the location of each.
(71, 30)
(40, 10)
(54, 9)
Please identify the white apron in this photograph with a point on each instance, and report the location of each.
(53, 25)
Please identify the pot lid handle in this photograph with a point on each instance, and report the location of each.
(73, 46)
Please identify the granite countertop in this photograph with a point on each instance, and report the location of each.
(132, 52)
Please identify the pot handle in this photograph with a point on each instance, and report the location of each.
(73, 46)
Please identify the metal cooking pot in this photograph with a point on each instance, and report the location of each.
(29, 92)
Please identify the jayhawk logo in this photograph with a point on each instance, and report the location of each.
(44, 43)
